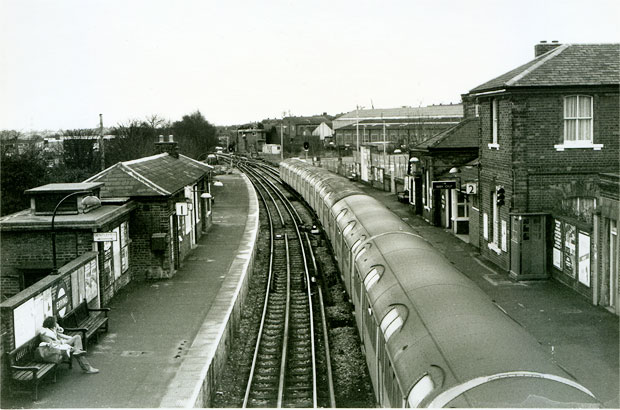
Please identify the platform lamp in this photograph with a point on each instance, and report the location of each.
(413, 162)
(454, 171)
(87, 201)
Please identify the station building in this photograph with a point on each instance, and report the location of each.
(86, 241)
(440, 186)
(172, 197)
(549, 136)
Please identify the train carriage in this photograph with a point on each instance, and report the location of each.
(431, 337)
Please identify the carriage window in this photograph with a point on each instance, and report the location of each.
(419, 392)
(357, 243)
(348, 228)
(362, 251)
(341, 214)
(373, 276)
(391, 323)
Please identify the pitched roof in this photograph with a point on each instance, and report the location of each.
(566, 65)
(462, 135)
(157, 175)
(448, 110)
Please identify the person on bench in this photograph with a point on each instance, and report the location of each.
(53, 334)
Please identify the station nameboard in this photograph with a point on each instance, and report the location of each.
(444, 184)
(105, 237)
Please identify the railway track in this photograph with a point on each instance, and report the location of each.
(290, 365)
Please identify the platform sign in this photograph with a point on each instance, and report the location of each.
(444, 184)
(105, 237)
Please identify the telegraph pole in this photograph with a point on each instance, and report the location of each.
(101, 149)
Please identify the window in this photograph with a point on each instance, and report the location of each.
(494, 124)
(578, 123)
(373, 276)
(391, 323)
(419, 392)
(577, 119)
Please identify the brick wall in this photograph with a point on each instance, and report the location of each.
(152, 215)
(495, 170)
(535, 175)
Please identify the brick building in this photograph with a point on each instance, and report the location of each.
(250, 139)
(402, 127)
(28, 247)
(435, 193)
(548, 129)
(172, 200)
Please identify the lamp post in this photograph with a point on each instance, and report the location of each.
(87, 201)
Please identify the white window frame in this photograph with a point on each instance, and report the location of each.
(429, 191)
(495, 224)
(494, 124)
(579, 143)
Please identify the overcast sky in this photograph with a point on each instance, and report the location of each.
(63, 62)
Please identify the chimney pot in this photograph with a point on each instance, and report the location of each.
(543, 47)
(543, 41)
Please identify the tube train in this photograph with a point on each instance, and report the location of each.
(431, 337)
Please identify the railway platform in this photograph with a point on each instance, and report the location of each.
(164, 335)
(580, 337)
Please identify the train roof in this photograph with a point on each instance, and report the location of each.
(435, 320)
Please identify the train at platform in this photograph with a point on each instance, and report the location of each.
(431, 337)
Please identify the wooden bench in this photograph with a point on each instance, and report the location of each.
(85, 321)
(25, 370)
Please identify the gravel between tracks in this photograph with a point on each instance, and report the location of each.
(352, 386)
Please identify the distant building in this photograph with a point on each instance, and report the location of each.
(250, 139)
(400, 127)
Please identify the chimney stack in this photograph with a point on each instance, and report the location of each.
(543, 47)
(170, 146)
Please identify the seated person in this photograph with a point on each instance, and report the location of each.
(53, 335)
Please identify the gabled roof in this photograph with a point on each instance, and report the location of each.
(462, 135)
(566, 65)
(157, 175)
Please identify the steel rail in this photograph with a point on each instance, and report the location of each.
(281, 385)
(328, 360)
(296, 221)
(265, 304)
